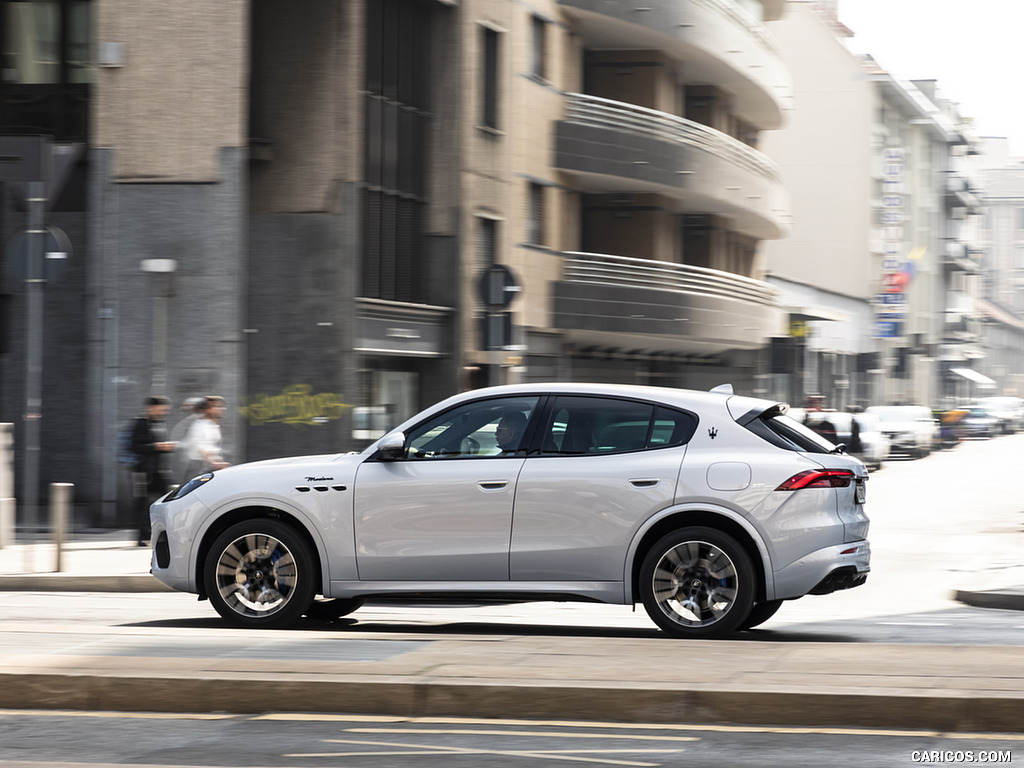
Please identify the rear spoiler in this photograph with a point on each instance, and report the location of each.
(756, 408)
(777, 409)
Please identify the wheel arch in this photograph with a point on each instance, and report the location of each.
(738, 528)
(253, 512)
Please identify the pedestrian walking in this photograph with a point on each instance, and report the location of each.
(189, 413)
(203, 441)
(151, 477)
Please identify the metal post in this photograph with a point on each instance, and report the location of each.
(60, 506)
(7, 500)
(34, 284)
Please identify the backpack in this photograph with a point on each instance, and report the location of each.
(126, 457)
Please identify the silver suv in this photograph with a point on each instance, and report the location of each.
(709, 508)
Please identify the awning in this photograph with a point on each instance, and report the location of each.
(972, 375)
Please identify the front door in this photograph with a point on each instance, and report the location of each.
(444, 512)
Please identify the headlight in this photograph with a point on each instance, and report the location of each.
(191, 485)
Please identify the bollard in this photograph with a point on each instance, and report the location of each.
(7, 501)
(60, 505)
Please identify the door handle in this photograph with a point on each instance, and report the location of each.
(492, 485)
(644, 482)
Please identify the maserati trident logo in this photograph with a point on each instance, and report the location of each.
(713, 433)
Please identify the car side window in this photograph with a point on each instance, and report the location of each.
(596, 425)
(480, 429)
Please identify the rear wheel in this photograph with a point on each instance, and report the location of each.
(697, 583)
(260, 574)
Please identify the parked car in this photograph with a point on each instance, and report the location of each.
(709, 508)
(875, 444)
(979, 421)
(911, 429)
(1008, 411)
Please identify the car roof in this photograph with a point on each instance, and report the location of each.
(737, 405)
(670, 395)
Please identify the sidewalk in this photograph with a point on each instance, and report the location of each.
(564, 675)
(111, 561)
(90, 561)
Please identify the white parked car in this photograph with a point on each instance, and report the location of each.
(709, 508)
(1009, 411)
(875, 444)
(912, 429)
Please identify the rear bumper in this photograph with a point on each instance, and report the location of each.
(842, 566)
(846, 577)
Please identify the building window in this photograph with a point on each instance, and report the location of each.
(397, 125)
(535, 215)
(486, 242)
(1020, 218)
(538, 64)
(46, 67)
(489, 85)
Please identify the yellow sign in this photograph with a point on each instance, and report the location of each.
(296, 405)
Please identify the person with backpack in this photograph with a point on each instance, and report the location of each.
(151, 477)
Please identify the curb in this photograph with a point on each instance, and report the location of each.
(245, 695)
(67, 582)
(1002, 599)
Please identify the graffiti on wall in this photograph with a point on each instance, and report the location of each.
(297, 405)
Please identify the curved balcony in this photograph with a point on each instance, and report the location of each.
(619, 301)
(617, 147)
(719, 43)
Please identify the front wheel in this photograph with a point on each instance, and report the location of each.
(331, 608)
(760, 613)
(260, 574)
(697, 583)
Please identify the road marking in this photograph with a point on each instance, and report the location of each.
(687, 727)
(481, 732)
(114, 715)
(424, 749)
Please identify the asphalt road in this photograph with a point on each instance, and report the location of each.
(279, 740)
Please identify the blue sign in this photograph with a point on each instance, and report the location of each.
(887, 329)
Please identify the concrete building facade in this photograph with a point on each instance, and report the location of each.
(314, 208)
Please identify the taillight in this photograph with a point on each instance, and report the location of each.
(818, 478)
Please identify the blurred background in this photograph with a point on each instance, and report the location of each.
(335, 212)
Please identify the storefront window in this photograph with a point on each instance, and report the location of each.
(41, 37)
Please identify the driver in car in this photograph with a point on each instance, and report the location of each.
(510, 431)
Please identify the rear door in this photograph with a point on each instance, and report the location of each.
(600, 466)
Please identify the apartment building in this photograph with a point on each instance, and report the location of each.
(333, 212)
(879, 275)
(1001, 179)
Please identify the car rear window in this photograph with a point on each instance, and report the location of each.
(596, 425)
(790, 434)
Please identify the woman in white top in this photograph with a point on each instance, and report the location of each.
(202, 443)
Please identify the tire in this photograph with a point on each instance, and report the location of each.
(260, 574)
(697, 583)
(760, 613)
(330, 608)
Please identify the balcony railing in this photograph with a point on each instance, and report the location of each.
(605, 269)
(617, 115)
(737, 15)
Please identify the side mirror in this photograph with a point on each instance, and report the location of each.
(392, 447)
